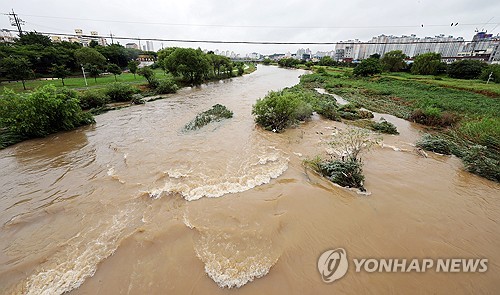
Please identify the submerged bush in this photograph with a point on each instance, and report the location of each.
(329, 110)
(483, 162)
(118, 92)
(216, 113)
(384, 127)
(93, 98)
(41, 112)
(435, 144)
(344, 173)
(279, 110)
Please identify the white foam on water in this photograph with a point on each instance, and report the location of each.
(233, 261)
(78, 260)
(195, 185)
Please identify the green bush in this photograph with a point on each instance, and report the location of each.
(216, 113)
(328, 109)
(278, 110)
(344, 173)
(166, 86)
(435, 144)
(93, 98)
(41, 112)
(368, 67)
(118, 92)
(482, 161)
(384, 127)
(137, 99)
(466, 69)
(494, 71)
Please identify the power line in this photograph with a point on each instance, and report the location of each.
(257, 42)
(249, 26)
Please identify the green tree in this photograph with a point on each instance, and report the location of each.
(163, 54)
(115, 53)
(93, 44)
(60, 71)
(466, 69)
(288, 62)
(89, 56)
(267, 61)
(94, 71)
(16, 68)
(115, 70)
(368, 67)
(34, 38)
(192, 64)
(133, 66)
(375, 55)
(427, 64)
(393, 61)
(327, 61)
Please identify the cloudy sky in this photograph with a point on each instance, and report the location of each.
(257, 20)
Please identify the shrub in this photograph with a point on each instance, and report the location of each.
(494, 71)
(328, 109)
(166, 86)
(91, 99)
(365, 114)
(216, 113)
(118, 92)
(345, 173)
(368, 67)
(277, 111)
(434, 144)
(303, 111)
(41, 112)
(481, 161)
(427, 64)
(384, 127)
(466, 69)
(137, 99)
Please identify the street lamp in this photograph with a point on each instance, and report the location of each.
(84, 77)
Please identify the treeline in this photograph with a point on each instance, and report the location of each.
(34, 55)
(394, 61)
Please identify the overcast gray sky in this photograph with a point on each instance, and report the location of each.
(264, 20)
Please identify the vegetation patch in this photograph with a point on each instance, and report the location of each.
(120, 92)
(37, 114)
(435, 144)
(216, 113)
(384, 127)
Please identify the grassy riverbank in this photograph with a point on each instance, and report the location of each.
(465, 113)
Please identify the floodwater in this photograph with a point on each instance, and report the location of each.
(134, 205)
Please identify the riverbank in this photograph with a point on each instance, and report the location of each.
(465, 116)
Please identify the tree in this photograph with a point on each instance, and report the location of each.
(368, 67)
(267, 61)
(132, 66)
(115, 70)
(192, 64)
(491, 73)
(375, 55)
(93, 44)
(90, 56)
(150, 76)
(288, 62)
(115, 54)
(393, 61)
(466, 69)
(94, 71)
(16, 68)
(34, 38)
(60, 71)
(427, 64)
(327, 61)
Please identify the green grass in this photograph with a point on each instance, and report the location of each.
(79, 83)
(475, 136)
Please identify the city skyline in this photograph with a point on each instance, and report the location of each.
(293, 21)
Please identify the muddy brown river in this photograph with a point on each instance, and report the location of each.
(134, 205)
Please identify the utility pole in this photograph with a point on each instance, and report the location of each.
(16, 22)
(111, 35)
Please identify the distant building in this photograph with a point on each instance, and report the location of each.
(132, 46)
(6, 36)
(149, 46)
